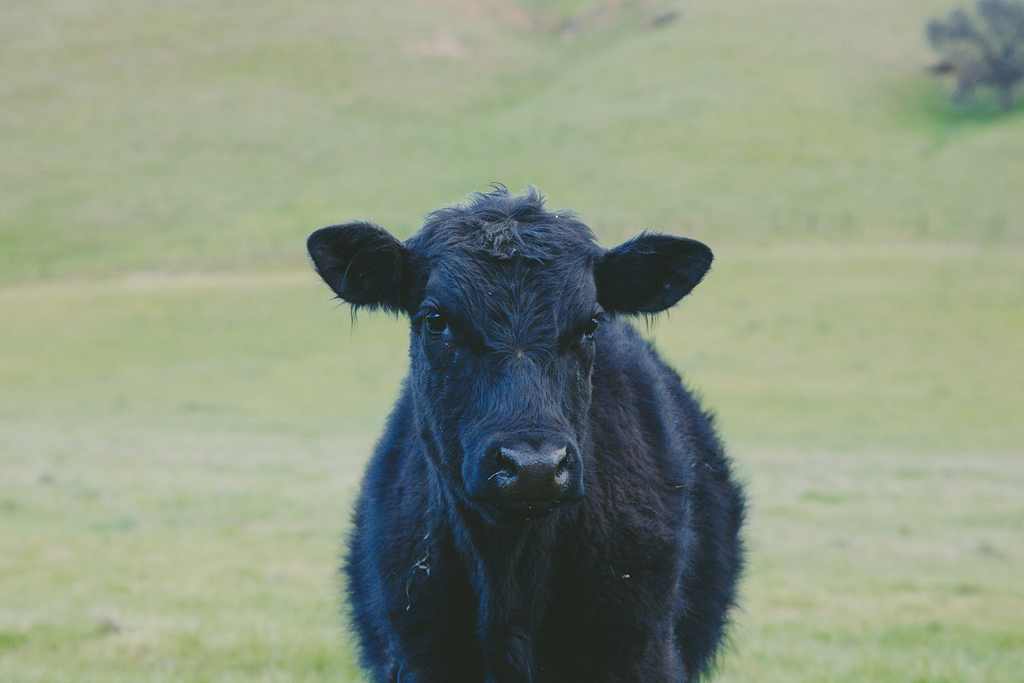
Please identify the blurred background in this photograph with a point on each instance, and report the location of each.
(184, 412)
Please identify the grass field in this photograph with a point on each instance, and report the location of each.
(184, 414)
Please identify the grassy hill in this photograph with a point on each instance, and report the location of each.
(184, 414)
(178, 135)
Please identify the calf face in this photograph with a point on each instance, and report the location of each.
(505, 301)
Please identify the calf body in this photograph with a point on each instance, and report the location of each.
(547, 502)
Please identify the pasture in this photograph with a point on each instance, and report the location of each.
(184, 414)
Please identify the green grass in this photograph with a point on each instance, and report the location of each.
(131, 555)
(173, 555)
(180, 135)
(184, 413)
(860, 346)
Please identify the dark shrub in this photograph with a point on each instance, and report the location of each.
(985, 50)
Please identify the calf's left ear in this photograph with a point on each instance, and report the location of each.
(649, 273)
(362, 262)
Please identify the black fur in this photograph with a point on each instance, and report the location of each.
(630, 575)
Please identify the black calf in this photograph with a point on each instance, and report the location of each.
(547, 502)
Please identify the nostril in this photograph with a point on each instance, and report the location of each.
(505, 466)
(562, 465)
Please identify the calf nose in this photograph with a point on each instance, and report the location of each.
(531, 474)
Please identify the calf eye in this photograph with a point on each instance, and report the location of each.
(591, 327)
(436, 323)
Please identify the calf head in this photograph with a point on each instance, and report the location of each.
(505, 301)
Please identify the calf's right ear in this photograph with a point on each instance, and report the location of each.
(361, 262)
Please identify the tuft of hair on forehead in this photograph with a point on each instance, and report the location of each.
(503, 226)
